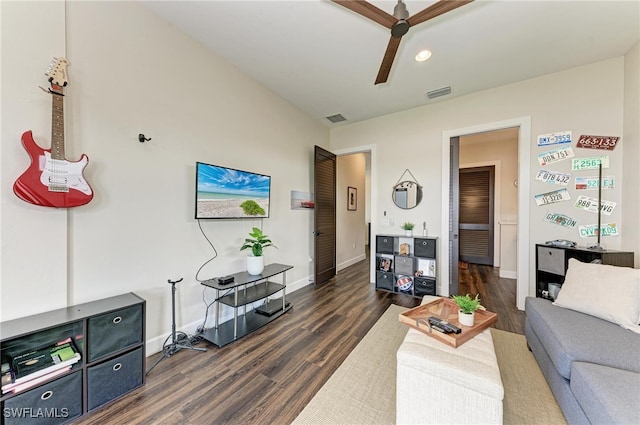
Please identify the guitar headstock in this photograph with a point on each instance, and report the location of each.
(57, 72)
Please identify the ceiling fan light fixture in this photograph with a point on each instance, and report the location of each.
(400, 11)
(423, 55)
(400, 28)
(398, 23)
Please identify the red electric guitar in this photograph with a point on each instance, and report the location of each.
(51, 180)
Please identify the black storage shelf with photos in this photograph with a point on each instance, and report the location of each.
(552, 263)
(406, 265)
(108, 335)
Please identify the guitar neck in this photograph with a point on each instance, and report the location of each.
(57, 122)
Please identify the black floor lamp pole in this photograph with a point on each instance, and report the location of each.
(178, 342)
(597, 246)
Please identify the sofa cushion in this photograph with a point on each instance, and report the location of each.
(607, 395)
(608, 292)
(569, 336)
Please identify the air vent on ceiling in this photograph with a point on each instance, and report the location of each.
(336, 118)
(438, 92)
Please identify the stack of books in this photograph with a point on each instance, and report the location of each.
(33, 367)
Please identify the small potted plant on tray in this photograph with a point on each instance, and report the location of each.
(468, 307)
(258, 241)
(408, 228)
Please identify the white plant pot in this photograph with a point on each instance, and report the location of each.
(255, 265)
(465, 319)
(408, 233)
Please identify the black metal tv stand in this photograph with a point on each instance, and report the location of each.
(247, 289)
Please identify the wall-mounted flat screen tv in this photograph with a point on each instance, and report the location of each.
(223, 192)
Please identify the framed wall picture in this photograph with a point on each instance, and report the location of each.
(352, 198)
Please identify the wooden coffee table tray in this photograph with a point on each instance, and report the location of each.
(446, 309)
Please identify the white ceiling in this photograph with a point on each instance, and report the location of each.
(324, 58)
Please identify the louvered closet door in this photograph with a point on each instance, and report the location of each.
(324, 215)
(476, 215)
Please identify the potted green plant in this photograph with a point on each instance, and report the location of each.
(257, 242)
(467, 308)
(408, 228)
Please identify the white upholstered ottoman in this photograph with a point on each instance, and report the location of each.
(438, 384)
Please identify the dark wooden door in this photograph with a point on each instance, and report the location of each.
(324, 215)
(476, 215)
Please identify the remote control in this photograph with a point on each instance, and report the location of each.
(443, 324)
(439, 329)
(436, 324)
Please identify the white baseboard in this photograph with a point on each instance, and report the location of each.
(350, 262)
(508, 274)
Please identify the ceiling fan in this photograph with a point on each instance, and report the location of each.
(399, 23)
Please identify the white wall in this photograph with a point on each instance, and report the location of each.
(351, 226)
(33, 266)
(586, 100)
(133, 73)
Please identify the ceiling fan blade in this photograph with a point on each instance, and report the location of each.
(387, 61)
(368, 10)
(436, 9)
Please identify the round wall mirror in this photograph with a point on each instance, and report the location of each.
(407, 194)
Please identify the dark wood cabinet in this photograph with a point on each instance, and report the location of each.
(109, 336)
(552, 262)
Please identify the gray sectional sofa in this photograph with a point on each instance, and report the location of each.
(592, 365)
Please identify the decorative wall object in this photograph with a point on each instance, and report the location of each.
(302, 200)
(607, 143)
(582, 184)
(407, 194)
(352, 198)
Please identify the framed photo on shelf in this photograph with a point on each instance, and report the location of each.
(352, 198)
(385, 263)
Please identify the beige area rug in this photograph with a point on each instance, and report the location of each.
(363, 389)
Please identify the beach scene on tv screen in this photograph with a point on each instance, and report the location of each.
(228, 193)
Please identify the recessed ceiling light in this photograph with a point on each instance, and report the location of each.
(423, 55)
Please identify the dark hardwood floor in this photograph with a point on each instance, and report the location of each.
(269, 376)
(496, 294)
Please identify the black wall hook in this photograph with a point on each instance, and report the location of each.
(143, 139)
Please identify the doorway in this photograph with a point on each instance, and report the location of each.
(370, 196)
(449, 236)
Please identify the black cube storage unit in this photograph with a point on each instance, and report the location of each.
(552, 263)
(109, 335)
(406, 265)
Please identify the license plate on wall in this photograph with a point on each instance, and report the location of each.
(592, 163)
(591, 204)
(553, 177)
(591, 183)
(607, 143)
(555, 155)
(552, 197)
